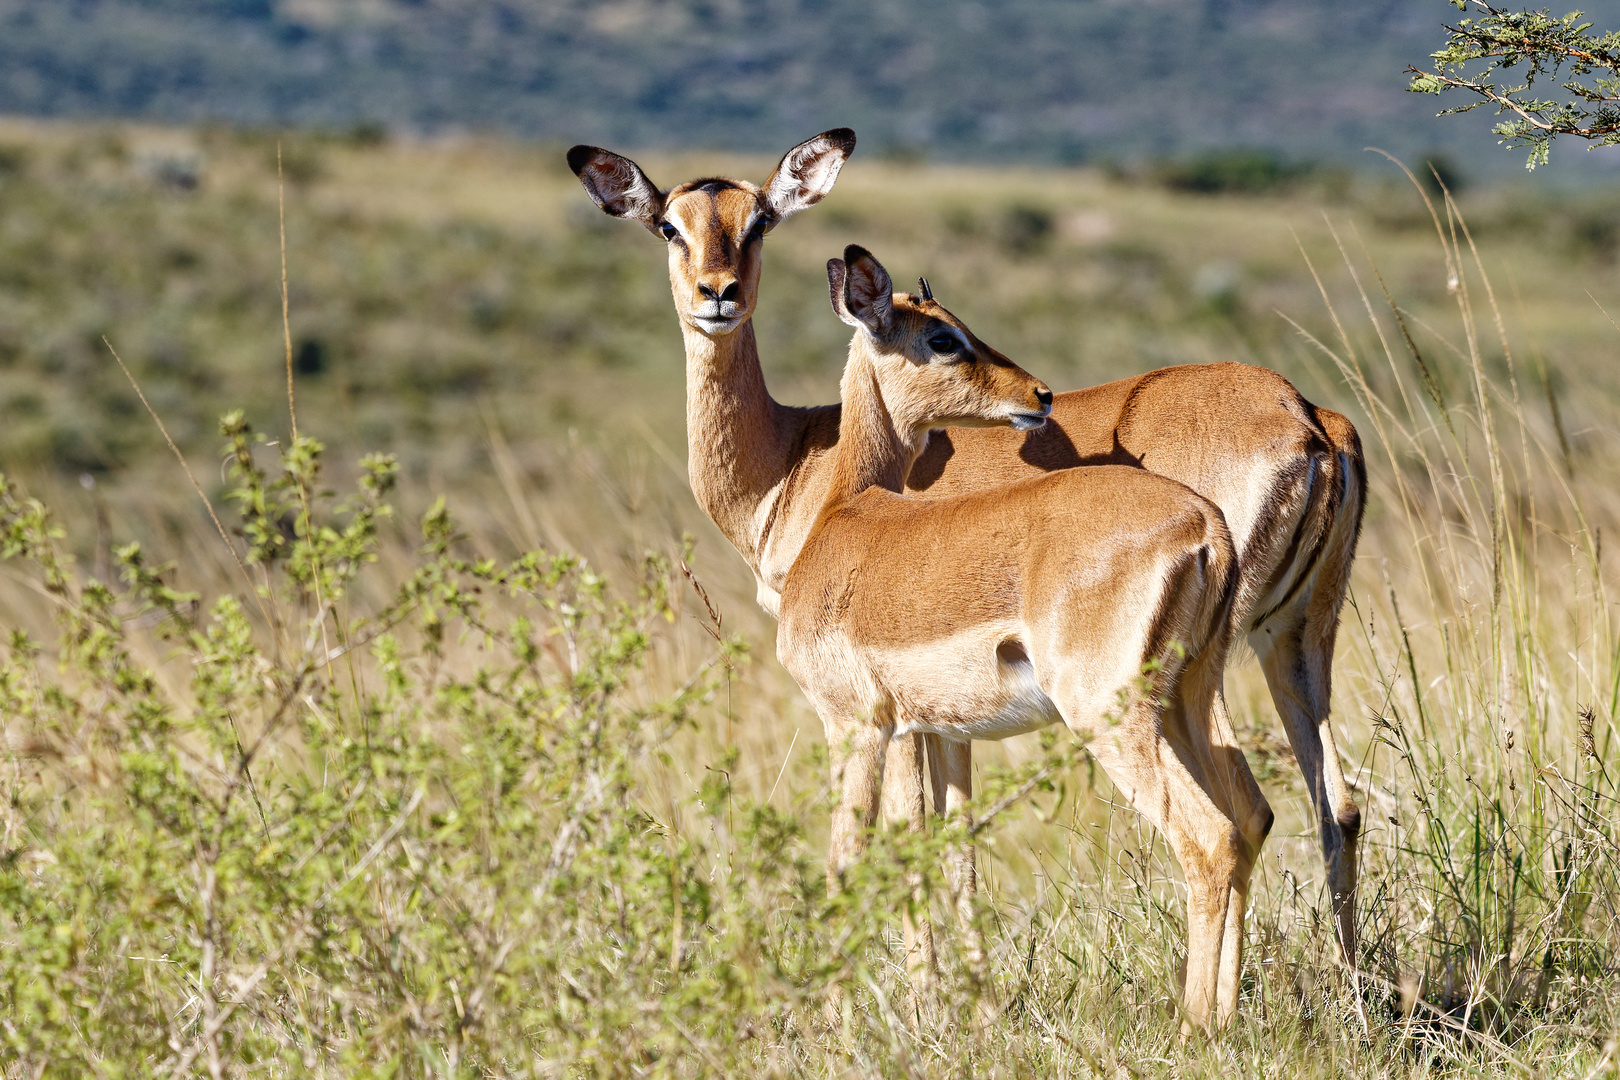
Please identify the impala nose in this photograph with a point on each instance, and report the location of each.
(1044, 396)
(727, 293)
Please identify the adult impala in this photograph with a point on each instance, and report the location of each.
(1287, 475)
(1008, 609)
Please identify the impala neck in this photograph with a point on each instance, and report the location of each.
(736, 437)
(876, 448)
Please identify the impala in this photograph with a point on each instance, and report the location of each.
(1005, 610)
(1287, 475)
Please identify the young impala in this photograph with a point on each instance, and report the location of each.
(1003, 611)
(1287, 475)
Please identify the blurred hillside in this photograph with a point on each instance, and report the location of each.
(443, 289)
(1032, 80)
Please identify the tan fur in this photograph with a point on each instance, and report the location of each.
(1287, 475)
(1038, 602)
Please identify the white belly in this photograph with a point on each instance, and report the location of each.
(967, 693)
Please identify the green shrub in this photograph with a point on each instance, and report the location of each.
(293, 830)
(1231, 172)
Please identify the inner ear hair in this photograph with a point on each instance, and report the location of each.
(868, 289)
(807, 172)
(837, 274)
(617, 185)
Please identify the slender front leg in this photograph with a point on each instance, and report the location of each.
(934, 746)
(857, 749)
(903, 801)
(953, 765)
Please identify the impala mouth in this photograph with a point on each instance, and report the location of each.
(1030, 421)
(718, 316)
(715, 326)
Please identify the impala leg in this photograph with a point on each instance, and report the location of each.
(1149, 772)
(903, 801)
(1295, 649)
(953, 763)
(1229, 980)
(1239, 795)
(1296, 658)
(857, 750)
(1199, 727)
(934, 747)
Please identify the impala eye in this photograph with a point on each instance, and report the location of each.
(944, 344)
(668, 230)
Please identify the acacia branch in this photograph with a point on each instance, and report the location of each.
(1499, 41)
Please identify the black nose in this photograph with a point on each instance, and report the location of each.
(725, 294)
(1044, 397)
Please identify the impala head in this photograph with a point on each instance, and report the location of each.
(714, 227)
(933, 371)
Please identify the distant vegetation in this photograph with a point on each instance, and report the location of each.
(1030, 80)
(1250, 172)
(439, 287)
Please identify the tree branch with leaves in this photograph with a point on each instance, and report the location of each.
(1532, 46)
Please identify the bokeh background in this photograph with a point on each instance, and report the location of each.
(1053, 81)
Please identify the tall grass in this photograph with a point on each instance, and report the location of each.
(1483, 643)
(430, 800)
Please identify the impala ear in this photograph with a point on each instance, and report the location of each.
(868, 290)
(836, 274)
(617, 185)
(807, 172)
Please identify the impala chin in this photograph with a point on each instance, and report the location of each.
(1029, 421)
(716, 326)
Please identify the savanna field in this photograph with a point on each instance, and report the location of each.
(464, 750)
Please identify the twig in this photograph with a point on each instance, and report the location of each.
(223, 535)
(286, 323)
(1059, 759)
(785, 758)
(697, 586)
(292, 403)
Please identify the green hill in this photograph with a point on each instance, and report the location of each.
(437, 285)
(1033, 80)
